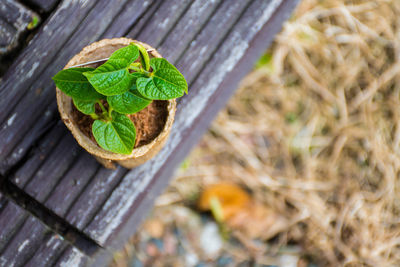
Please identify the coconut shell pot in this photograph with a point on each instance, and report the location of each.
(141, 153)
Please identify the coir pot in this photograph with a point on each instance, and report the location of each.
(95, 51)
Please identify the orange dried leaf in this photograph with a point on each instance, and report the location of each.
(231, 199)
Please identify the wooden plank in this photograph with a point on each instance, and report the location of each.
(42, 93)
(16, 82)
(71, 185)
(24, 244)
(35, 245)
(144, 19)
(39, 155)
(34, 238)
(72, 257)
(14, 19)
(208, 41)
(37, 55)
(43, 175)
(208, 93)
(64, 189)
(130, 15)
(155, 26)
(48, 252)
(187, 28)
(10, 213)
(94, 196)
(23, 146)
(25, 240)
(51, 172)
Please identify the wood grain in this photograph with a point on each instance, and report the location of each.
(49, 250)
(52, 170)
(72, 184)
(128, 18)
(24, 244)
(208, 41)
(14, 19)
(188, 26)
(143, 20)
(37, 55)
(94, 196)
(156, 25)
(39, 155)
(72, 257)
(10, 213)
(25, 241)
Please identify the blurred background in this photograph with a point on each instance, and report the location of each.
(302, 166)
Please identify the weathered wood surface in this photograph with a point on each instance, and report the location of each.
(73, 257)
(28, 242)
(14, 19)
(24, 243)
(214, 44)
(17, 81)
(48, 251)
(10, 213)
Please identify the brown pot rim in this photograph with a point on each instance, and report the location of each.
(63, 101)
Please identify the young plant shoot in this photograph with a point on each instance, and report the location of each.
(127, 85)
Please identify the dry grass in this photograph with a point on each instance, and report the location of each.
(314, 133)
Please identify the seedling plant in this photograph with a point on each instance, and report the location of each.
(127, 85)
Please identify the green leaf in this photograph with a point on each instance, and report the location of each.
(86, 107)
(166, 82)
(144, 57)
(129, 53)
(129, 102)
(117, 135)
(135, 76)
(111, 78)
(74, 84)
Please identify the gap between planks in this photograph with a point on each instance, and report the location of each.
(56, 223)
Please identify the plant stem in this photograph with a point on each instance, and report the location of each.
(140, 70)
(94, 116)
(105, 115)
(148, 73)
(101, 106)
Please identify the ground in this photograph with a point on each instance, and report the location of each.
(310, 143)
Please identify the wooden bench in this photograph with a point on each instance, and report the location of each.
(58, 206)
